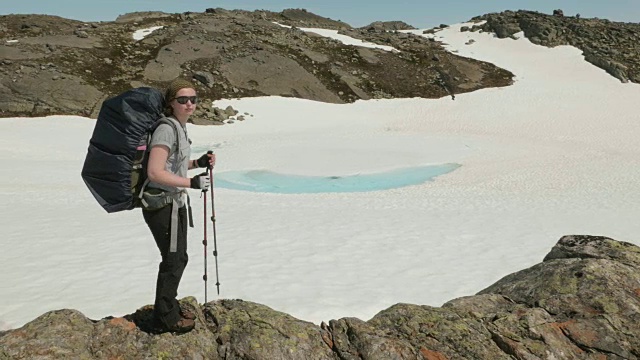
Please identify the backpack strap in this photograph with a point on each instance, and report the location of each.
(175, 131)
(153, 128)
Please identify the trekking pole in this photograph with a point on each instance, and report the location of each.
(204, 242)
(213, 220)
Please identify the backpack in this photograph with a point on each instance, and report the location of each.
(114, 169)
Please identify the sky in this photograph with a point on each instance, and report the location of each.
(553, 154)
(421, 14)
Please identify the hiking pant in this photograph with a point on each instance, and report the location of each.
(167, 308)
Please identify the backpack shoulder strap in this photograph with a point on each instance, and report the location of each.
(164, 120)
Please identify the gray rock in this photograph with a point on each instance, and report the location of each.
(206, 78)
(229, 110)
(612, 46)
(616, 69)
(81, 34)
(581, 302)
(387, 26)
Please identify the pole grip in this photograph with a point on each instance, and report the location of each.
(210, 152)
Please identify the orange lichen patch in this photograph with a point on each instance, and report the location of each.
(123, 323)
(20, 333)
(562, 325)
(592, 311)
(559, 326)
(327, 339)
(556, 334)
(432, 355)
(637, 292)
(581, 332)
(521, 312)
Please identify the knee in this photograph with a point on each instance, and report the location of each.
(174, 262)
(184, 259)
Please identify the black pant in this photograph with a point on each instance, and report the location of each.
(167, 308)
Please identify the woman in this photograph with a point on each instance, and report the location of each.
(167, 171)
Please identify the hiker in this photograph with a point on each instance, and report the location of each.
(167, 171)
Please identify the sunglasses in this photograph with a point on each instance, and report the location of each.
(183, 99)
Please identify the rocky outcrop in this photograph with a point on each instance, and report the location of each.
(581, 302)
(303, 18)
(141, 16)
(50, 65)
(612, 46)
(387, 26)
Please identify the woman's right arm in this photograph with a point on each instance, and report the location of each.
(157, 172)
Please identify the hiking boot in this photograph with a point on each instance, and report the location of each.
(182, 326)
(186, 314)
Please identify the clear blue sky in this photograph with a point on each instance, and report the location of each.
(419, 13)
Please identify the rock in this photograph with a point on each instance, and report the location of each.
(81, 34)
(206, 78)
(594, 247)
(612, 46)
(240, 54)
(229, 110)
(569, 287)
(303, 18)
(503, 29)
(387, 26)
(136, 17)
(616, 69)
(57, 90)
(580, 302)
(283, 337)
(204, 121)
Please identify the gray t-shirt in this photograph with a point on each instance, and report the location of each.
(165, 135)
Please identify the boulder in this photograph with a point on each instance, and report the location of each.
(581, 302)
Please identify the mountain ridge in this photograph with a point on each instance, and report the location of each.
(45, 61)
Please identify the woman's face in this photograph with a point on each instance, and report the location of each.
(187, 96)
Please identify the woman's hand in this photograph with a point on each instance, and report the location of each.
(207, 160)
